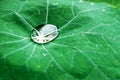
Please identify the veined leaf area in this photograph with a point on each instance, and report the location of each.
(112, 3)
(87, 47)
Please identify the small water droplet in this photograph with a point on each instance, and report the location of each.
(44, 54)
(103, 10)
(44, 33)
(97, 45)
(55, 4)
(92, 3)
(81, 1)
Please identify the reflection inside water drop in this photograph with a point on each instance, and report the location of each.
(44, 33)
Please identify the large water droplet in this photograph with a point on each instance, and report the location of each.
(44, 33)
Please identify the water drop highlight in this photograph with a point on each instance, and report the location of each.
(44, 33)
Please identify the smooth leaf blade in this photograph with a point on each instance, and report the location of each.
(87, 47)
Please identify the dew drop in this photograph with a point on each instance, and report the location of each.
(81, 1)
(97, 45)
(103, 10)
(44, 54)
(44, 33)
(92, 3)
(55, 4)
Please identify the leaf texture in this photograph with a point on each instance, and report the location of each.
(87, 47)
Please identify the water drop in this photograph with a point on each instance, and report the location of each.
(44, 54)
(103, 10)
(55, 4)
(44, 33)
(97, 45)
(92, 3)
(81, 1)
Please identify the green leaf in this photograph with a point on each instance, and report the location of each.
(87, 47)
(113, 3)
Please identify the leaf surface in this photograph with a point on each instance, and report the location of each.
(87, 47)
(112, 3)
